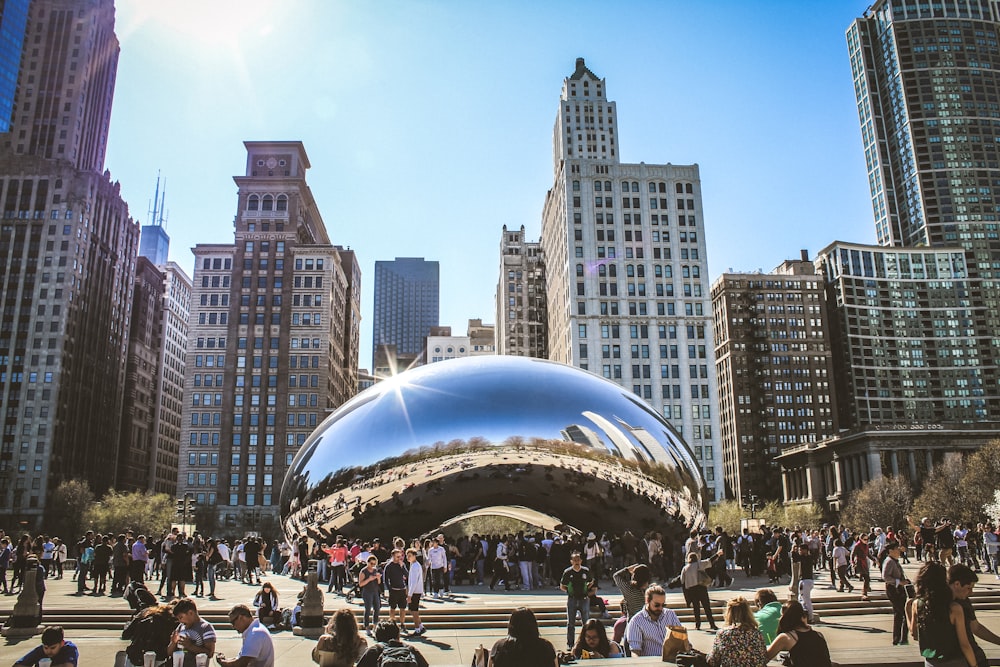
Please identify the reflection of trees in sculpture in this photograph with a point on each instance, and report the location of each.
(651, 482)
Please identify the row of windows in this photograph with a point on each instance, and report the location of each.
(267, 203)
(633, 186)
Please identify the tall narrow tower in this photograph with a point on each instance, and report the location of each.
(272, 346)
(627, 271)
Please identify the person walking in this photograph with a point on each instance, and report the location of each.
(806, 564)
(576, 580)
(696, 589)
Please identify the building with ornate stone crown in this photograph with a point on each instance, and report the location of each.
(67, 260)
(273, 342)
(627, 270)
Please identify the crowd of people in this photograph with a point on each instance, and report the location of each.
(397, 574)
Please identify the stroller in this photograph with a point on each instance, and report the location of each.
(138, 596)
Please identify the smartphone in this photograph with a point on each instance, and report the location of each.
(911, 592)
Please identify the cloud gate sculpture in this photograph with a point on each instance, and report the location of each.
(454, 437)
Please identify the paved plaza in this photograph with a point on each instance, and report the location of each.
(855, 639)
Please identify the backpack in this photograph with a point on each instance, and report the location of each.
(397, 656)
(88, 556)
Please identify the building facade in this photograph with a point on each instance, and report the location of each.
(478, 340)
(407, 305)
(273, 341)
(13, 25)
(774, 365)
(67, 261)
(627, 271)
(522, 315)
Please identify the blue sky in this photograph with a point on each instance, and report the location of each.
(429, 123)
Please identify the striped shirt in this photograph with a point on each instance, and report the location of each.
(646, 634)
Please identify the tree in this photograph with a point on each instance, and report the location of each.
(885, 501)
(72, 500)
(943, 494)
(144, 513)
(726, 513)
(805, 515)
(981, 478)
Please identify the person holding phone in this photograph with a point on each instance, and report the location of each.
(895, 589)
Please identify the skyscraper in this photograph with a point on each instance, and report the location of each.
(273, 343)
(407, 294)
(67, 260)
(775, 368)
(522, 318)
(154, 242)
(13, 22)
(914, 320)
(627, 272)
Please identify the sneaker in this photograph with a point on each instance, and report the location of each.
(421, 630)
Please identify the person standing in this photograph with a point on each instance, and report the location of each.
(140, 558)
(576, 580)
(48, 548)
(437, 561)
(338, 564)
(258, 647)
(414, 589)
(369, 581)
(806, 564)
(103, 553)
(500, 570)
(895, 590)
(121, 553)
(84, 557)
(394, 576)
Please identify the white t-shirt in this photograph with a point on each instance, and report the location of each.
(257, 644)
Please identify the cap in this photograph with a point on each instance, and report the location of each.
(591, 536)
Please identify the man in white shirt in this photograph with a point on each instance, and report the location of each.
(437, 562)
(258, 647)
(647, 629)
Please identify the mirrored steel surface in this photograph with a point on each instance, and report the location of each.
(451, 437)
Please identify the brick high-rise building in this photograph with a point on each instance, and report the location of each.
(775, 366)
(67, 261)
(627, 270)
(273, 343)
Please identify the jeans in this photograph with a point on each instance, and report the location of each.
(574, 605)
(437, 579)
(81, 580)
(211, 580)
(805, 596)
(897, 596)
(525, 574)
(373, 604)
(321, 570)
(338, 576)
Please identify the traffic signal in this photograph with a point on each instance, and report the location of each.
(180, 508)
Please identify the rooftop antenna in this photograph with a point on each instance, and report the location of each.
(156, 201)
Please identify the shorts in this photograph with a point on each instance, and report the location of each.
(397, 598)
(414, 603)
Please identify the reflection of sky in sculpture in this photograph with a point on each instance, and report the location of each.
(490, 400)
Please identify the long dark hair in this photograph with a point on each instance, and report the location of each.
(603, 645)
(344, 628)
(523, 626)
(934, 593)
(791, 617)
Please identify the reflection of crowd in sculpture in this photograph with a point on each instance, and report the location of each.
(404, 484)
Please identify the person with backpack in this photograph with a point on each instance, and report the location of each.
(388, 651)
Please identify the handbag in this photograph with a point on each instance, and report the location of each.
(692, 658)
(480, 657)
(675, 582)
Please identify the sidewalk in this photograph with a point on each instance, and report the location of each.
(869, 633)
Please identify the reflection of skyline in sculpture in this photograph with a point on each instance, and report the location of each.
(414, 451)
